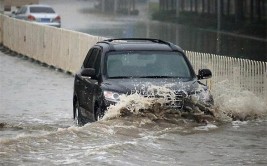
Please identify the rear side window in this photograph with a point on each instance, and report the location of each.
(22, 10)
(41, 10)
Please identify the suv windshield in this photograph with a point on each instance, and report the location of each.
(41, 10)
(147, 64)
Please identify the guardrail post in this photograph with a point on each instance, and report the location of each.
(1, 29)
(236, 75)
(265, 84)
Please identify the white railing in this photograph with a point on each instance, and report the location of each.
(66, 50)
(247, 74)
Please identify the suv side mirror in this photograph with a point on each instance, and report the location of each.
(88, 72)
(204, 74)
(14, 13)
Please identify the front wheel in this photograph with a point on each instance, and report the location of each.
(99, 112)
(77, 115)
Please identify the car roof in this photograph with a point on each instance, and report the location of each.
(144, 44)
(38, 5)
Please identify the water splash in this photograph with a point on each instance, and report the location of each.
(156, 105)
(231, 103)
(235, 103)
(206, 127)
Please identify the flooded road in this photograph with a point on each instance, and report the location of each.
(37, 129)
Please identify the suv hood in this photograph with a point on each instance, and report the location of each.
(141, 85)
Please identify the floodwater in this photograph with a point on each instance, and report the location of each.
(36, 127)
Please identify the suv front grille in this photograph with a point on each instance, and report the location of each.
(176, 103)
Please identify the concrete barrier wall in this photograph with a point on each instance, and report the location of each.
(66, 49)
(61, 48)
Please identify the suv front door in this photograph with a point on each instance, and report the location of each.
(90, 86)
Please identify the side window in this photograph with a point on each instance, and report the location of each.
(87, 57)
(24, 9)
(91, 60)
(97, 63)
(20, 10)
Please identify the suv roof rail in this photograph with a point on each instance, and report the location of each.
(173, 47)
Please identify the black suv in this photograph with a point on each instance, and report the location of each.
(124, 66)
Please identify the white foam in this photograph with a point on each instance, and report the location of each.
(238, 123)
(71, 128)
(135, 102)
(233, 102)
(206, 127)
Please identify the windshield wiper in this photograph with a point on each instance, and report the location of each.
(157, 77)
(121, 77)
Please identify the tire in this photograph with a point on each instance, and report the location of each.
(99, 112)
(78, 119)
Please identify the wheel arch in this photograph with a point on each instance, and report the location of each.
(96, 105)
(75, 100)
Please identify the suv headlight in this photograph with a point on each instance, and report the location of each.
(112, 96)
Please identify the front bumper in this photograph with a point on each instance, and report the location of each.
(109, 103)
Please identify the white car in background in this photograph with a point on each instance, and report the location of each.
(41, 14)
